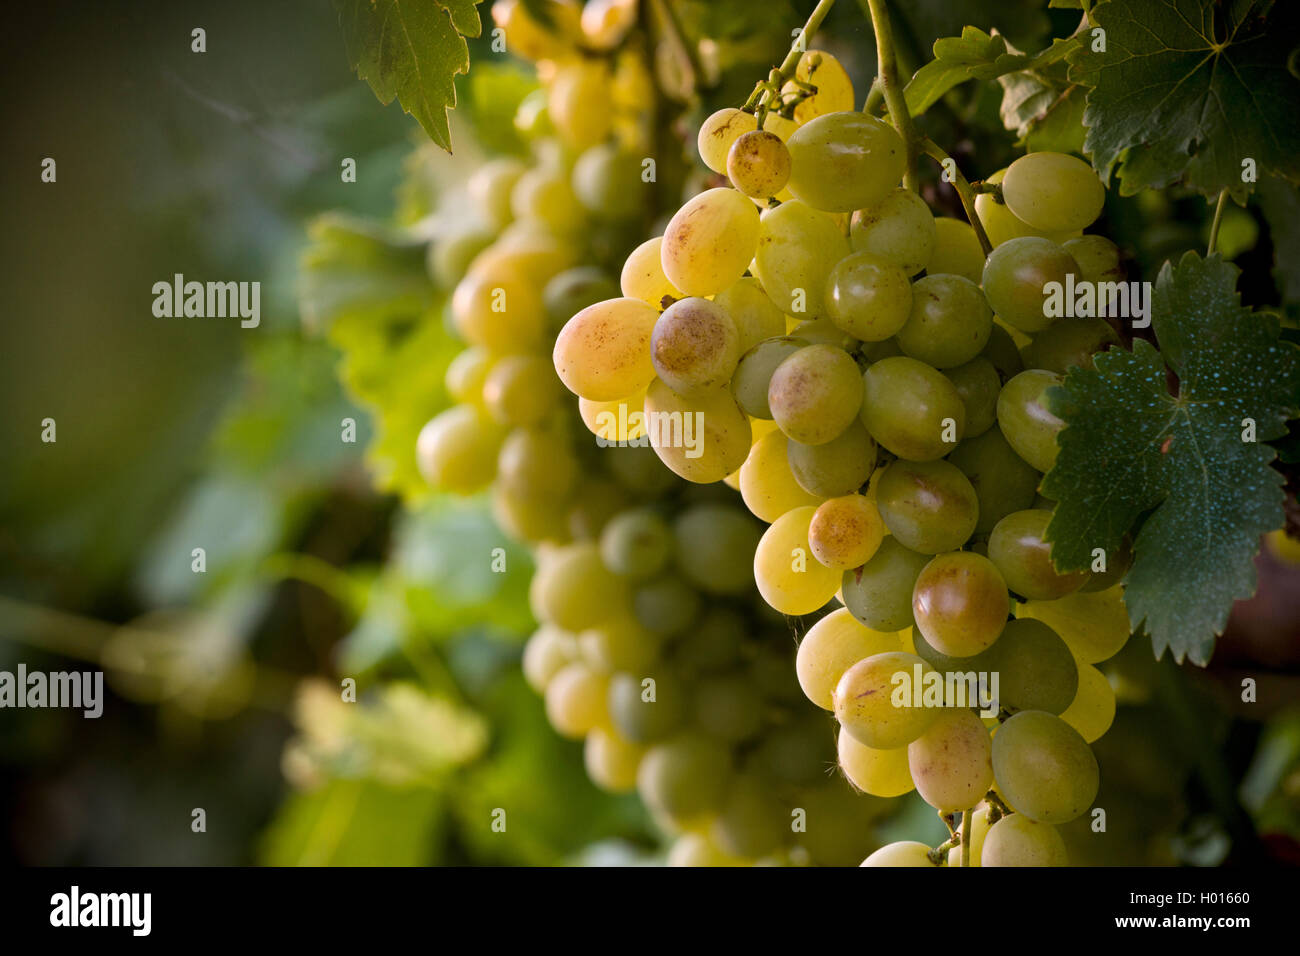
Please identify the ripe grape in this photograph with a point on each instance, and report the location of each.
(1036, 671)
(611, 761)
(636, 544)
(490, 188)
(837, 467)
(615, 421)
(1053, 191)
(1019, 549)
(449, 258)
(879, 594)
(1016, 840)
(714, 546)
(899, 228)
(902, 853)
(956, 250)
(865, 704)
(719, 132)
(928, 506)
(881, 773)
(607, 181)
(910, 408)
(978, 384)
(834, 88)
(754, 372)
(638, 714)
(1002, 480)
(603, 352)
(797, 248)
(979, 828)
(537, 464)
(1025, 421)
(790, 579)
(546, 654)
(643, 275)
(756, 317)
(685, 777)
(666, 605)
(545, 194)
(1094, 625)
(951, 763)
(1043, 768)
(618, 643)
(575, 700)
(1016, 277)
(845, 532)
(751, 822)
(702, 439)
(832, 646)
(573, 589)
(815, 394)
(960, 603)
(457, 450)
(710, 241)
(576, 102)
(868, 296)
(767, 485)
(758, 164)
(949, 322)
(1001, 224)
(521, 390)
(845, 161)
(572, 290)
(1069, 345)
(1093, 709)
(498, 310)
(466, 374)
(532, 39)
(1097, 257)
(695, 346)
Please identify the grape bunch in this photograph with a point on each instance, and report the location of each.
(873, 385)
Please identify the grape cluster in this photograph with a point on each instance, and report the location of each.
(873, 385)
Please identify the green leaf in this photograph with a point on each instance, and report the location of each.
(1281, 205)
(1128, 446)
(412, 50)
(975, 55)
(1040, 104)
(1188, 89)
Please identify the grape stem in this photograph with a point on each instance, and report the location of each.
(1218, 217)
(999, 808)
(763, 91)
(964, 190)
(965, 836)
(892, 87)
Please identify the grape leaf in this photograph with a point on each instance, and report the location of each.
(1170, 101)
(1040, 104)
(1129, 446)
(412, 50)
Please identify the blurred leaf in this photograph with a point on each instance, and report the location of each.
(1281, 205)
(411, 51)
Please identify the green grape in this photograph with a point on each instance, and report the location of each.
(578, 101)
(571, 291)
(1019, 548)
(899, 228)
(767, 485)
(666, 605)
(466, 374)
(951, 763)
(956, 250)
(1113, 568)
(603, 352)
(607, 181)
(865, 703)
(788, 577)
(695, 346)
(1016, 277)
(881, 773)
(832, 646)
(1069, 345)
(697, 850)
(868, 296)
(1043, 768)
(911, 409)
(532, 119)
(521, 390)
(546, 654)
(751, 822)
(846, 532)
(646, 707)
(576, 700)
(1036, 671)
(1018, 841)
(1003, 352)
(545, 194)
(1001, 224)
(498, 310)
(457, 450)
(709, 243)
(490, 189)
(715, 547)
(840, 823)
(1053, 191)
(702, 439)
(1025, 421)
(754, 371)
(769, 671)
(879, 594)
(1095, 625)
(727, 707)
(834, 94)
(611, 761)
(929, 506)
(618, 643)
(845, 161)
(949, 323)
(640, 470)
(756, 317)
(573, 589)
(942, 662)
(1003, 482)
(596, 500)
(875, 351)
(643, 275)
(960, 603)
(449, 257)
(1093, 709)
(979, 827)
(636, 544)
(838, 467)
(714, 643)
(537, 464)
(978, 384)
(902, 853)
(815, 394)
(684, 778)
(797, 248)
(758, 164)
(1097, 257)
(824, 332)
(527, 517)
(794, 753)
(719, 132)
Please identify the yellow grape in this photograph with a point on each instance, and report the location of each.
(575, 700)
(881, 773)
(834, 88)
(719, 132)
(1093, 709)
(710, 242)
(832, 646)
(578, 102)
(758, 164)
(790, 579)
(767, 485)
(457, 450)
(1018, 841)
(521, 390)
(702, 439)
(1053, 191)
(979, 828)
(865, 704)
(619, 643)
(498, 311)
(1001, 224)
(844, 161)
(603, 352)
(956, 250)
(1093, 624)
(756, 317)
(532, 39)
(643, 275)
(797, 248)
(526, 517)
(611, 761)
(546, 654)
(846, 531)
(902, 853)
(952, 762)
(546, 195)
(490, 188)
(466, 374)
(573, 589)
(619, 420)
